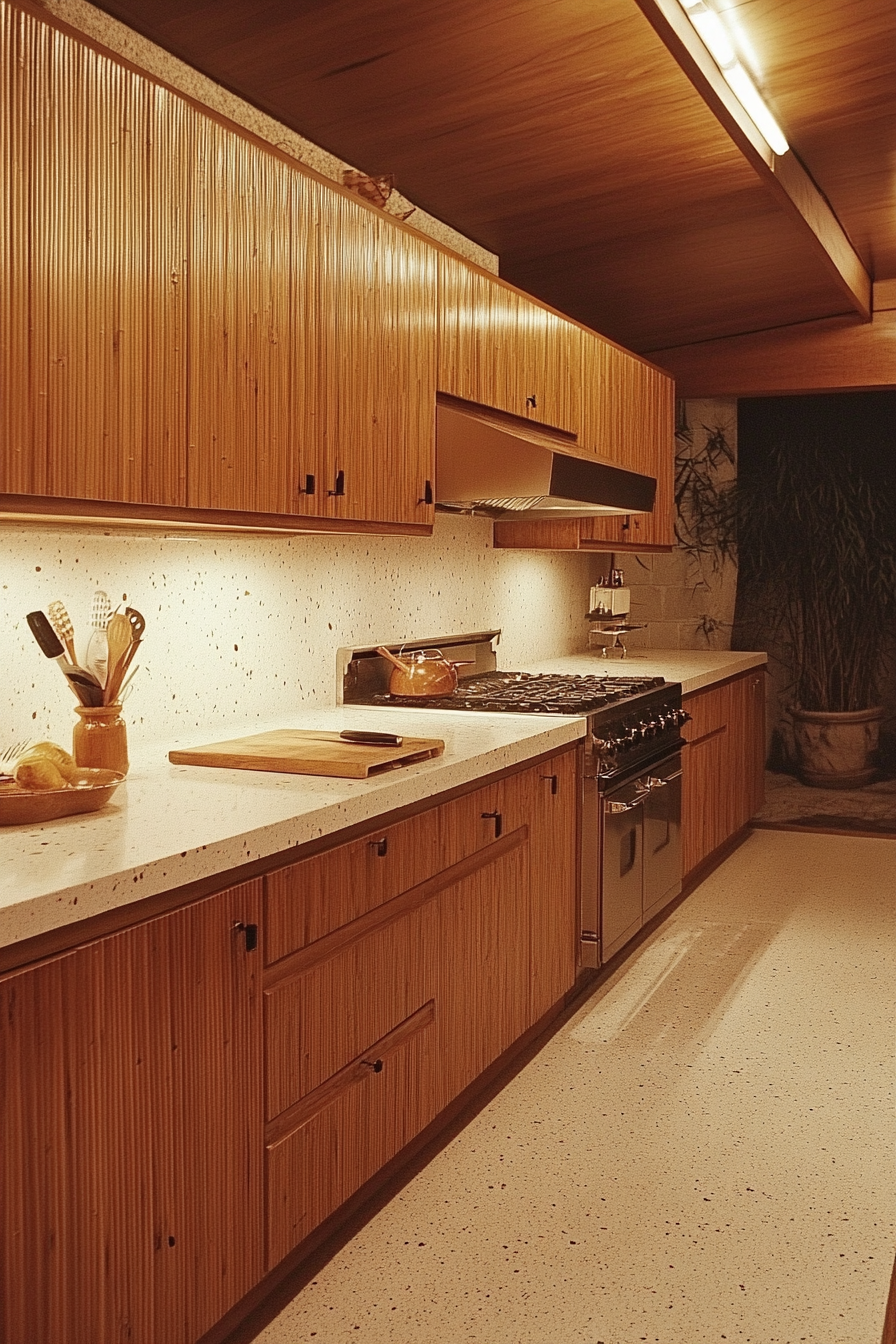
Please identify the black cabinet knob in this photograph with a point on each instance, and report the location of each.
(532, 402)
(381, 846)
(339, 487)
(553, 779)
(497, 819)
(426, 497)
(251, 934)
(308, 487)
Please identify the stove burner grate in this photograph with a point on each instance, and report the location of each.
(531, 693)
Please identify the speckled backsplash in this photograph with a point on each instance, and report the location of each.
(243, 629)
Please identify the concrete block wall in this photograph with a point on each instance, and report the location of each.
(683, 601)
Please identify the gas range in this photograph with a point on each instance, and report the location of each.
(631, 720)
(630, 787)
(533, 693)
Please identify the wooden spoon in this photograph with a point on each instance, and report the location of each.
(119, 633)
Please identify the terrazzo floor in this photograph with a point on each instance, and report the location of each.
(705, 1151)
(788, 802)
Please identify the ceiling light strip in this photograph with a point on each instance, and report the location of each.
(713, 35)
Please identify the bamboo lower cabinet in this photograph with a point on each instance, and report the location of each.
(132, 1132)
(723, 764)
(184, 1101)
(463, 936)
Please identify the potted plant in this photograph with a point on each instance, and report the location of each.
(815, 513)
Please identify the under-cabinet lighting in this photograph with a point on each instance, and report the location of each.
(711, 31)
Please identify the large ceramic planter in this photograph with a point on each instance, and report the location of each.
(834, 750)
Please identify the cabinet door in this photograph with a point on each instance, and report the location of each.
(484, 933)
(502, 349)
(747, 746)
(253, 433)
(96, 230)
(628, 418)
(131, 1116)
(554, 877)
(376, 309)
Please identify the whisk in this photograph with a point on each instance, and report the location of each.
(96, 659)
(61, 623)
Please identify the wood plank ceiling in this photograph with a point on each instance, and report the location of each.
(565, 137)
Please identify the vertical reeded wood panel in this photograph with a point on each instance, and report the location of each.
(18, 469)
(377, 360)
(131, 1202)
(103, 173)
(251, 336)
(499, 348)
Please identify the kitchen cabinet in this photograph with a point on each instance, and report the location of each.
(184, 1101)
(193, 321)
(311, 346)
(627, 417)
(464, 938)
(93, 312)
(502, 349)
(132, 1131)
(723, 764)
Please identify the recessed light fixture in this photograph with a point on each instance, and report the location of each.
(714, 36)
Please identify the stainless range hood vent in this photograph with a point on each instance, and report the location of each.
(506, 467)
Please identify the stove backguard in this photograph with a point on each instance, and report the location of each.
(362, 674)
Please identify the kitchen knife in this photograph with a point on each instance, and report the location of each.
(371, 739)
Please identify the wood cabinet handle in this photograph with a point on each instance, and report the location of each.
(381, 846)
(339, 485)
(308, 488)
(426, 497)
(532, 401)
(498, 820)
(251, 934)
(554, 782)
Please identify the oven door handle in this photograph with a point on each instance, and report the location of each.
(654, 783)
(615, 808)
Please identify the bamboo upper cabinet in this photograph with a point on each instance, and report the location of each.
(502, 349)
(93, 197)
(627, 417)
(311, 348)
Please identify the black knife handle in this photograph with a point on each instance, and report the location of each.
(43, 632)
(371, 739)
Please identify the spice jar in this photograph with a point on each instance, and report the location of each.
(100, 739)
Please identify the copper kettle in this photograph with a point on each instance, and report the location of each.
(425, 673)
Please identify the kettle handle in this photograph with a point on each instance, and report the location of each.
(390, 657)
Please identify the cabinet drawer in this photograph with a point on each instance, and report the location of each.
(344, 1000)
(348, 1130)
(310, 899)
(709, 713)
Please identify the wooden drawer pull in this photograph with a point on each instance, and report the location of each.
(554, 782)
(381, 846)
(498, 820)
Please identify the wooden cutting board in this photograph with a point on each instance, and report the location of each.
(300, 751)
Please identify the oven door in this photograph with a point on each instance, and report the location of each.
(622, 865)
(662, 836)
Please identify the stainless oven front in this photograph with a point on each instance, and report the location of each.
(631, 861)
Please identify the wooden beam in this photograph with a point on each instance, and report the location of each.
(784, 175)
(836, 354)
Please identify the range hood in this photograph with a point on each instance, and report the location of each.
(502, 465)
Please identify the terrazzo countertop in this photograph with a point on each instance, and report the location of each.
(695, 670)
(168, 825)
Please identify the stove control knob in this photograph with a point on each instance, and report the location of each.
(681, 717)
(653, 726)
